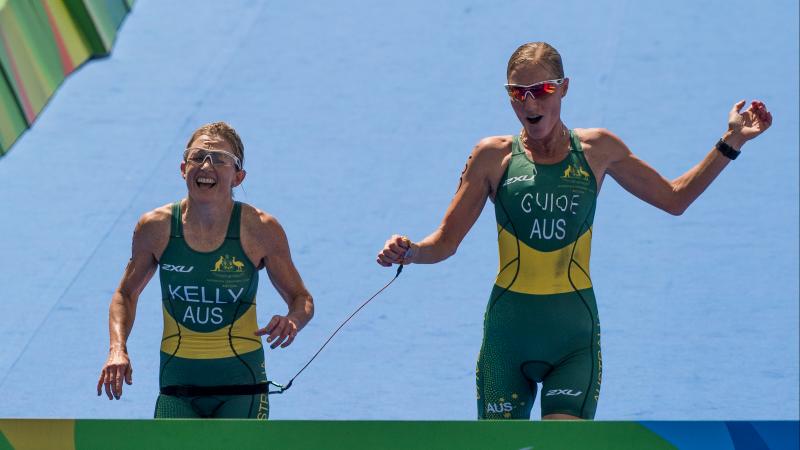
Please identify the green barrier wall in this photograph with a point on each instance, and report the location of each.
(21, 434)
(205, 434)
(43, 41)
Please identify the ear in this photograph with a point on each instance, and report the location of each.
(239, 178)
(564, 87)
(183, 169)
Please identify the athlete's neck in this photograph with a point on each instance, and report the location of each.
(551, 147)
(207, 215)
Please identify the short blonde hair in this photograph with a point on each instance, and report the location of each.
(537, 53)
(224, 131)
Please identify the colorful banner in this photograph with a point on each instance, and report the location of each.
(23, 434)
(43, 41)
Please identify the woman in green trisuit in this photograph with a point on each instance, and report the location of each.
(208, 250)
(541, 323)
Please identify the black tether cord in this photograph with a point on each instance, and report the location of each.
(284, 388)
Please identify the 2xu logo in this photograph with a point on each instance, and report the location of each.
(173, 268)
(513, 180)
(563, 392)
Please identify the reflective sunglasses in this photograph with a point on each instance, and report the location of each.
(518, 92)
(217, 158)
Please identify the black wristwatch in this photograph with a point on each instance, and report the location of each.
(727, 150)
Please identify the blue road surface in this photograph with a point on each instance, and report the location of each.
(357, 118)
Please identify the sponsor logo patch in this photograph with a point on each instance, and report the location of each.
(513, 180)
(569, 392)
(174, 268)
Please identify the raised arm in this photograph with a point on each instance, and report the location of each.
(474, 187)
(675, 196)
(282, 273)
(147, 239)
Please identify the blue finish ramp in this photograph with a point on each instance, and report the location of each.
(357, 119)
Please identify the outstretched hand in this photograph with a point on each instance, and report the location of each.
(751, 122)
(282, 331)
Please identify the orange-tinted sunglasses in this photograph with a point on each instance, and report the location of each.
(518, 92)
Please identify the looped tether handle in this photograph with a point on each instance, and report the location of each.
(281, 388)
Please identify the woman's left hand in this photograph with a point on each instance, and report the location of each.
(282, 331)
(750, 123)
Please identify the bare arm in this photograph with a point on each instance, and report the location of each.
(474, 187)
(284, 276)
(675, 196)
(122, 311)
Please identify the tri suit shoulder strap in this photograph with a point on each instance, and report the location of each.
(516, 146)
(176, 227)
(575, 142)
(235, 223)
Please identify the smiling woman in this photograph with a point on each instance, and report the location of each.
(208, 250)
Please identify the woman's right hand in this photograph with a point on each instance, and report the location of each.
(397, 250)
(117, 367)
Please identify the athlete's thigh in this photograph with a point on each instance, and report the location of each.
(170, 407)
(573, 386)
(244, 407)
(503, 390)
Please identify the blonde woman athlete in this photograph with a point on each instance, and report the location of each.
(541, 323)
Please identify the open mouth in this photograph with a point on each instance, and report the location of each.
(206, 183)
(534, 119)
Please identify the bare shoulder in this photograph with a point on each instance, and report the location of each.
(601, 144)
(492, 148)
(487, 162)
(159, 217)
(262, 235)
(257, 222)
(489, 155)
(152, 230)
(599, 139)
(261, 231)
